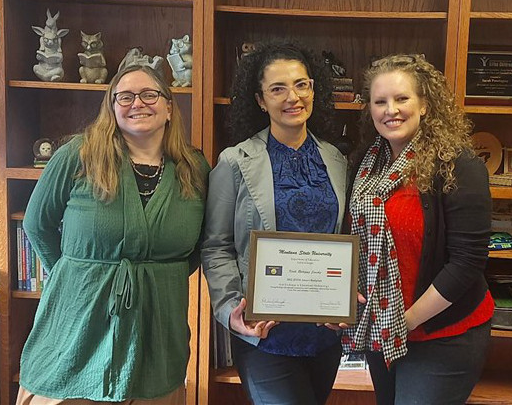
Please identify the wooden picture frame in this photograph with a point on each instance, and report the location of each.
(302, 277)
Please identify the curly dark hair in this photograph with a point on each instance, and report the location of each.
(444, 131)
(245, 117)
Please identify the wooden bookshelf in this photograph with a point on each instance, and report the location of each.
(31, 109)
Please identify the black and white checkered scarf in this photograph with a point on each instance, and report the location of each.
(381, 322)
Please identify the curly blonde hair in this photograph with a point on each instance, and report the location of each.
(103, 148)
(444, 131)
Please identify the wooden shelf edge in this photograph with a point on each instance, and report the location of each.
(23, 173)
(31, 295)
(18, 216)
(349, 106)
(494, 387)
(388, 15)
(500, 254)
(34, 84)
(161, 3)
(348, 380)
(488, 109)
(337, 105)
(495, 15)
(227, 375)
(501, 192)
(501, 333)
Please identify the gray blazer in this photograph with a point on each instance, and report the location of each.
(240, 199)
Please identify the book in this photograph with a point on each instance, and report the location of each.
(19, 245)
(51, 59)
(95, 60)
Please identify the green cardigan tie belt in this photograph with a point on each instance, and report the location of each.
(121, 292)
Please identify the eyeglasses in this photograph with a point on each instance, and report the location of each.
(279, 92)
(126, 98)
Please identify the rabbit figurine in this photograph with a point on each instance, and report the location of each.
(49, 54)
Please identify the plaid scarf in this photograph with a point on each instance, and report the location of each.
(381, 322)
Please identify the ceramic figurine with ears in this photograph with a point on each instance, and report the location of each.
(93, 62)
(180, 60)
(49, 54)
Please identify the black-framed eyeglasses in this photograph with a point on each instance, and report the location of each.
(126, 98)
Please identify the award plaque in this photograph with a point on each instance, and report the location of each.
(302, 277)
(489, 74)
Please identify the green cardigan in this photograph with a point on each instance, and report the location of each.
(112, 321)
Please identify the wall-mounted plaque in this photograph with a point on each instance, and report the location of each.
(489, 74)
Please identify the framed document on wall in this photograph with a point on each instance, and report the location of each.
(302, 277)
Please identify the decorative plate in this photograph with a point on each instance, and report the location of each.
(489, 149)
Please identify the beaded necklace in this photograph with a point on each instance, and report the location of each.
(148, 176)
(159, 172)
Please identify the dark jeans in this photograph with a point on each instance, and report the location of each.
(435, 372)
(283, 380)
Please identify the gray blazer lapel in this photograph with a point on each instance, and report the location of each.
(257, 172)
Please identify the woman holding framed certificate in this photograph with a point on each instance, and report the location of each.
(280, 176)
(420, 203)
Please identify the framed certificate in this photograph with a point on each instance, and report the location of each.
(302, 277)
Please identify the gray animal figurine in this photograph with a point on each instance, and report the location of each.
(180, 60)
(93, 62)
(135, 56)
(49, 54)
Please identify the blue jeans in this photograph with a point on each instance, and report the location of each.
(439, 371)
(283, 380)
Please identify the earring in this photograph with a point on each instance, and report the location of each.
(263, 109)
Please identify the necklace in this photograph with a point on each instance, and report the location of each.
(148, 176)
(159, 171)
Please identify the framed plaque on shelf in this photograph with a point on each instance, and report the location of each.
(489, 74)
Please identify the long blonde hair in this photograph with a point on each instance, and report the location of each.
(103, 148)
(443, 131)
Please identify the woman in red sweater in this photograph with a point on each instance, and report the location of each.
(421, 205)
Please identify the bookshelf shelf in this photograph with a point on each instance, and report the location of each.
(494, 388)
(337, 106)
(291, 12)
(23, 173)
(501, 192)
(352, 380)
(500, 333)
(33, 84)
(491, 15)
(31, 295)
(152, 3)
(500, 254)
(488, 109)
(18, 216)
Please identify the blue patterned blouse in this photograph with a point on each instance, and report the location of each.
(304, 202)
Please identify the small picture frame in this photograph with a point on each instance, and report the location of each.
(507, 160)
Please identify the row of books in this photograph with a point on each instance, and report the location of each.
(31, 274)
(222, 356)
